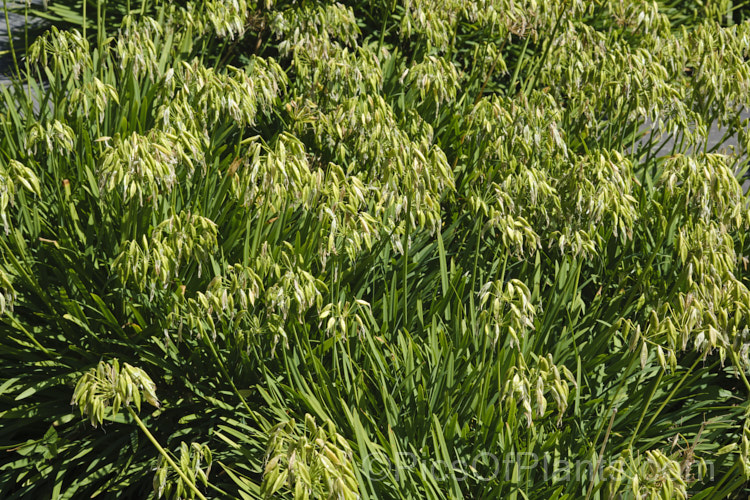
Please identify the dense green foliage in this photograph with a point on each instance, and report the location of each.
(387, 249)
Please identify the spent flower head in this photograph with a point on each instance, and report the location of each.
(105, 389)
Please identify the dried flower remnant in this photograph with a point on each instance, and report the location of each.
(434, 77)
(315, 463)
(651, 475)
(65, 52)
(179, 241)
(139, 167)
(314, 30)
(11, 175)
(136, 46)
(108, 387)
(57, 136)
(227, 17)
(195, 461)
(7, 294)
(528, 387)
(93, 95)
(506, 308)
(276, 176)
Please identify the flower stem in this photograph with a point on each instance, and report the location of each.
(10, 38)
(166, 456)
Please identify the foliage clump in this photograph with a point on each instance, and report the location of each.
(395, 249)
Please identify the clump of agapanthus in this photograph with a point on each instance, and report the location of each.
(315, 462)
(11, 175)
(136, 45)
(651, 475)
(92, 95)
(64, 52)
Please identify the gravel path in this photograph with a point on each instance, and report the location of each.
(714, 137)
